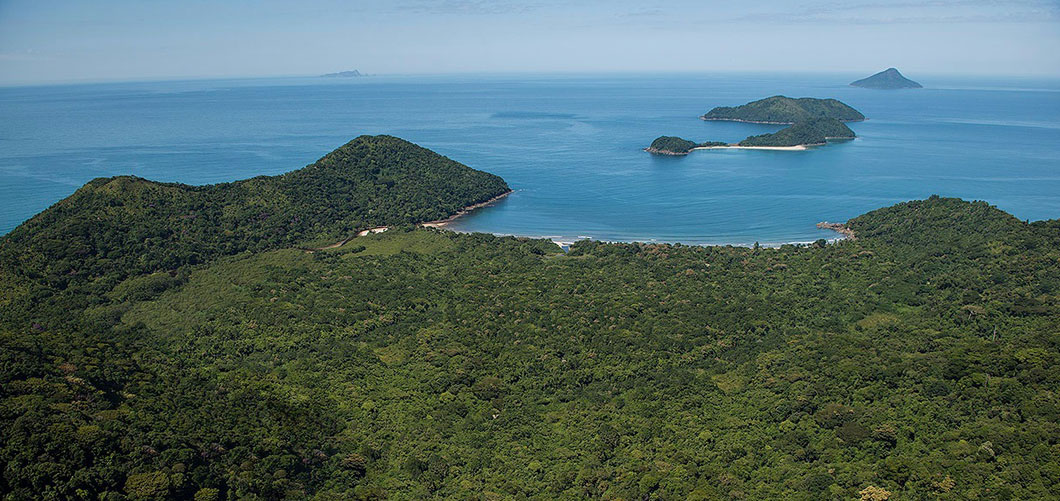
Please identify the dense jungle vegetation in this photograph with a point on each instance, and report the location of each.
(808, 132)
(918, 361)
(786, 110)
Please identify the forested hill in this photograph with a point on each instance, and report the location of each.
(785, 110)
(917, 361)
(121, 226)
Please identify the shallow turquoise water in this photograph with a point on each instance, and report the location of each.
(570, 146)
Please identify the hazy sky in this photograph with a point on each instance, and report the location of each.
(53, 40)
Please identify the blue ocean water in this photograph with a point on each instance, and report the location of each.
(571, 146)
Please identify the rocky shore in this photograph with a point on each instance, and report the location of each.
(840, 228)
(463, 212)
(657, 151)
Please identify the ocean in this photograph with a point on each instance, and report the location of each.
(569, 145)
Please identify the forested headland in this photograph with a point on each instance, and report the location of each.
(170, 341)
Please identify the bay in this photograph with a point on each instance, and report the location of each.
(570, 145)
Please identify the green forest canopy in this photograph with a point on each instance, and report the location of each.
(918, 360)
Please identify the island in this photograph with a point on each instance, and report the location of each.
(671, 145)
(888, 79)
(813, 132)
(785, 110)
(343, 74)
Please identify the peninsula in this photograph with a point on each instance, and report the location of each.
(785, 110)
(888, 79)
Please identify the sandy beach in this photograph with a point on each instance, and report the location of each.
(377, 229)
(737, 147)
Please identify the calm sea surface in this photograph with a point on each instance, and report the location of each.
(570, 146)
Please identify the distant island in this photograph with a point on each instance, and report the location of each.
(890, 78)
(785, 110)
(343, 74)
(813, 132)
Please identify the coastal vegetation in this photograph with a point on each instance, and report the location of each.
(218, 359)
(809, 132)
(785, 110)
(890, 78)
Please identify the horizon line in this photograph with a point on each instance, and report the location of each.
(487, 73)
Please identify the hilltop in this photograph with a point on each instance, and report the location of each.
(890, 78)
(785, 110)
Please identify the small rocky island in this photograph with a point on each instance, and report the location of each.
(672, 145)
(785, 110)
(888, 79)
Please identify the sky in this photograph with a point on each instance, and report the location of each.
(45, 41)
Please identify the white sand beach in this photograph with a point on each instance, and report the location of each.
(736, 147)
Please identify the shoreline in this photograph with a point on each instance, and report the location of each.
(565, 242)
(656, 151)
(439, 223)
(706, 119)
(840, 228)
(442, 223)
(798, 147)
